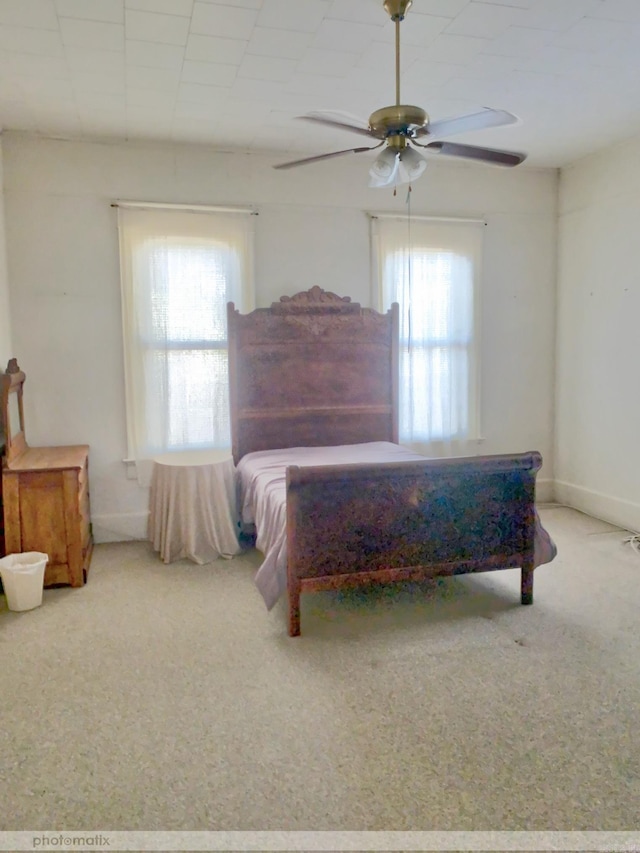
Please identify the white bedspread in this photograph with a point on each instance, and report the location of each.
(263, 497)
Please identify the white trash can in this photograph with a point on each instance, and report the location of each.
(23, 579)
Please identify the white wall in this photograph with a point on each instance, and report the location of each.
(312, 229)
(5, 316)
(598, 405)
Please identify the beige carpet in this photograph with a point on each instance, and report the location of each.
(166, 697)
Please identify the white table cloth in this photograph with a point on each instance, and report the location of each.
(193, 506)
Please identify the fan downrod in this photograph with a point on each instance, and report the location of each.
(399, 120)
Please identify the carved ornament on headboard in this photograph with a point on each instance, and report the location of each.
(313, 300)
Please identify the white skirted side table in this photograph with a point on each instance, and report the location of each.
(193, 506)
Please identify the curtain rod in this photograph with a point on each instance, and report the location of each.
(461, 219)
(197, 207)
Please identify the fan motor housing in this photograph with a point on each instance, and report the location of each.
(396, 8)
(400, 119)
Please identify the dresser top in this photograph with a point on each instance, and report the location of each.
(50, 458)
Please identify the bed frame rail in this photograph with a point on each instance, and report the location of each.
(438, 517)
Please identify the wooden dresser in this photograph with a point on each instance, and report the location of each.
(46, 508)
(45, 494)
(2, 548)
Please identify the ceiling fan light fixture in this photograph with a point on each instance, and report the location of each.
(384, 170)
(393, 166)
(411, 165)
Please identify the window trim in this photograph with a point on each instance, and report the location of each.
(140, 450)
(476, 438)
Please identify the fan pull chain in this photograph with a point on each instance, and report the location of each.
(409, 267)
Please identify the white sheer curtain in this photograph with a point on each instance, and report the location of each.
(179, 268)
(431, 269)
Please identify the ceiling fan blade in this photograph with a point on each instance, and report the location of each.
(473, 121)
(329, 120)
(474, 152)
(306, 160)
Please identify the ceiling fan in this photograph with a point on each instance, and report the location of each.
(399, 127)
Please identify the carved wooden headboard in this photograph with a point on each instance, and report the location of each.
(313, 369)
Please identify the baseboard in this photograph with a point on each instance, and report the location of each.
(545, 491)
(624, 514)
(120, 527)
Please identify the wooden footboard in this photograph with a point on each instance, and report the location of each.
(354, 524)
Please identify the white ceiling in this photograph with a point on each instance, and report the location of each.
(235, 73)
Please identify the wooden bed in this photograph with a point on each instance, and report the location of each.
(317, 370)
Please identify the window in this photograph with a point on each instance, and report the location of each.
(431, 269)
(179, 268)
